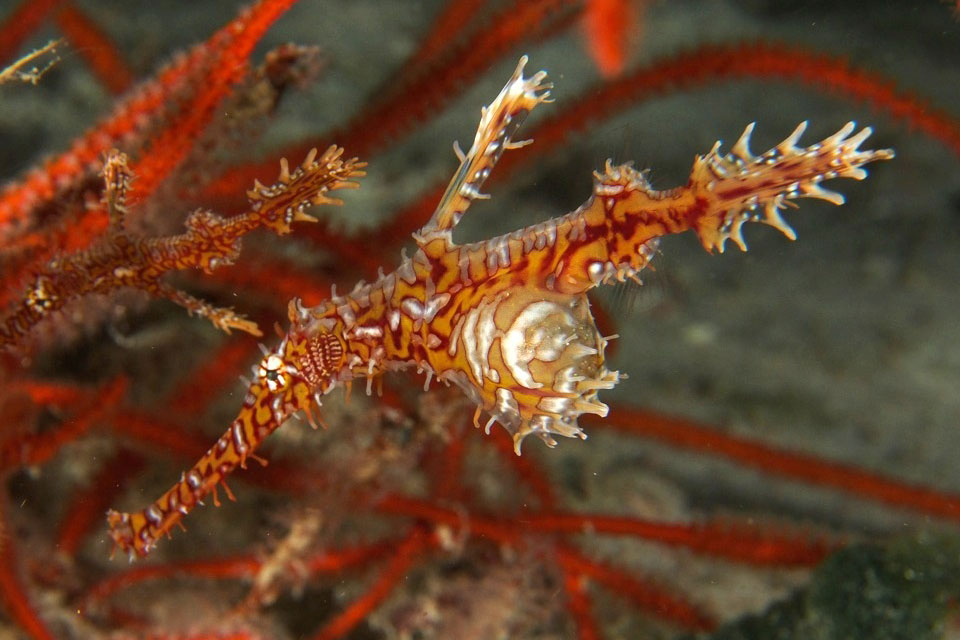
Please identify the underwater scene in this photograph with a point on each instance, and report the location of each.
(480, 319)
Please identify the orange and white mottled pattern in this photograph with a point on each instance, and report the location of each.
(507, 320)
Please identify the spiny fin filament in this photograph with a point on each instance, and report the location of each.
(740, 187)
(498, 123)
(286, 201)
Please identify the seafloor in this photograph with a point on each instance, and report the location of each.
(844, 344)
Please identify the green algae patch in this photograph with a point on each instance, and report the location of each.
(900, 591)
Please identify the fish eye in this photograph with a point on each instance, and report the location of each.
(272, 371)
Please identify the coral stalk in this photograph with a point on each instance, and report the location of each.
(692, 436)
(404, 556)
(89, 40)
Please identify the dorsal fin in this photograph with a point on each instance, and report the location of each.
(499, 121)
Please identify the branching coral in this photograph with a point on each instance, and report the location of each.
(121, 259)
